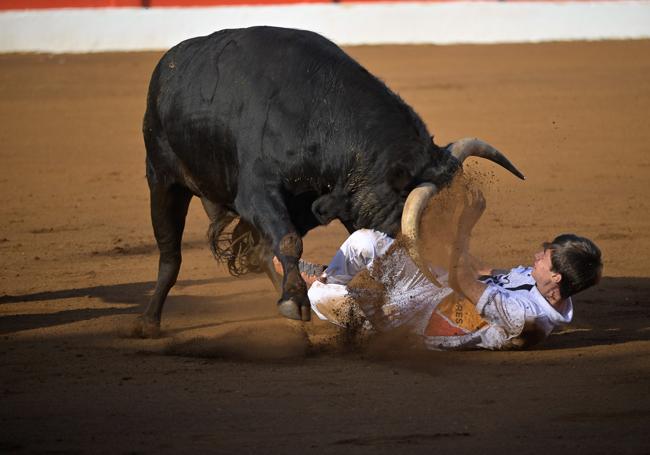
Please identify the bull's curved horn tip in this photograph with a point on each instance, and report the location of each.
(466, 147)
(520, 174)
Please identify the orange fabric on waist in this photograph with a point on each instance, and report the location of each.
(454, 316)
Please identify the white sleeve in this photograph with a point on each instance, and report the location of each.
(494, 337)
(501, 309)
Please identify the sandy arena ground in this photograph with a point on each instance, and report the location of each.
(78, 260)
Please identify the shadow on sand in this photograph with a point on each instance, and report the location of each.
(127, 293)
(617, 311)
(131, 295)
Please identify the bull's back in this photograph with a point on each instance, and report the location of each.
(287, 98)
(220, 99)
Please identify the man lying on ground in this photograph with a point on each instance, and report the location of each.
(477, 307)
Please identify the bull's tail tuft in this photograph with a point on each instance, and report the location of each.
(235, 247)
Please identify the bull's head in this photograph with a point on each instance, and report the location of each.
(419, 197)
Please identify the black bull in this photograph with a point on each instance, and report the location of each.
(283, 129)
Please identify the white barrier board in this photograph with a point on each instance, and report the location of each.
(129, 29)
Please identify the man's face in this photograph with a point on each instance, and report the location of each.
(542, 270)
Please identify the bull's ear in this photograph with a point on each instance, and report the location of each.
(325, 208)
(399, 176)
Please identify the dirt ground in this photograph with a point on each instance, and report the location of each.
(78, 261)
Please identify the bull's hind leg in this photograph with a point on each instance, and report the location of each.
(169, 206)
(268, 213)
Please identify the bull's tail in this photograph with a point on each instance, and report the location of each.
(237, 247)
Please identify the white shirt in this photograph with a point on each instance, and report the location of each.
(510, 303)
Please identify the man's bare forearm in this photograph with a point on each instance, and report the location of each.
(482, 269)
(478, 265)
(465, 278)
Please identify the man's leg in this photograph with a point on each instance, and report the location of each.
(329, 296)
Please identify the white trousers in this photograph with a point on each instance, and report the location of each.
(409, 297)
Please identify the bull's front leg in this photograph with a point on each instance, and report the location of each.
(268, 213)
(294, 303)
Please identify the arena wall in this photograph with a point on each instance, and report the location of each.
(129, 28)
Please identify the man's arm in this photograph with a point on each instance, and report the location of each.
(464, 279)
(482, 269)
(465, 269)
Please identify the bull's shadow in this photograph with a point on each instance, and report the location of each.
(131, 295)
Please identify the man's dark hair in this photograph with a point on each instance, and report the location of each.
(578, 260)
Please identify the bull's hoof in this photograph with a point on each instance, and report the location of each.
(292, 310)
(144, 327)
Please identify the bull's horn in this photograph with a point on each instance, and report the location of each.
(415, 204)
(463, 148)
